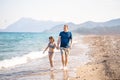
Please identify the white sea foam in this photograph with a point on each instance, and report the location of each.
(79, 40)
(8, 63)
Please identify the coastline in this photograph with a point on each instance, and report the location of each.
(92, 57)
(39, 69)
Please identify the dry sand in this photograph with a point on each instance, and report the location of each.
(105, 55)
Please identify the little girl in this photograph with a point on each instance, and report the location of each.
(51, 46)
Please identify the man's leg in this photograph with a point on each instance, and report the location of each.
(66, 57)
(66, 60)
(63, 57)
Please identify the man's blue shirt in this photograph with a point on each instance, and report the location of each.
(65, 38)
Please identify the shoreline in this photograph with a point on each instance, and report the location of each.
(92, 57)
(39, 69)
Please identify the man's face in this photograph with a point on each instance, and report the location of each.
(65, 28)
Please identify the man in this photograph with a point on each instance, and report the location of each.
(65, 43)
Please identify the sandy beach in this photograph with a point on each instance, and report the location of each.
(91, 58)
(105, 59)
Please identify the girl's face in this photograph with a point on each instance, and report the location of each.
(50, 40)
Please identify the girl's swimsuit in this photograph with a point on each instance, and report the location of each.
(51, 45)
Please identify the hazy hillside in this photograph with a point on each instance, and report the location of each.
(109, 27)
(89, 27)
(99, 30)
(59, 28)
(30, 25)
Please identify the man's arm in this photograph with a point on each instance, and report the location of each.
(58, 42)
(70, 43)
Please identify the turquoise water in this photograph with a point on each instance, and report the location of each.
(14, 44)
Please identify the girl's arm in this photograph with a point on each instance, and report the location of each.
(45, 49)
(55, 45)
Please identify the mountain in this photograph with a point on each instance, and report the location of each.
(91, 24)
(114, 22)
(89, 27)
(59, 28)
(108, 27)
(30, 25)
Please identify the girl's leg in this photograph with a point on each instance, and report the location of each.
(51, 55)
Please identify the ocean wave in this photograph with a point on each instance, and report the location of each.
(10, 63)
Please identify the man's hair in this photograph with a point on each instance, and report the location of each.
(66, 25)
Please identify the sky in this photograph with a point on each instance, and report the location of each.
(76, 11)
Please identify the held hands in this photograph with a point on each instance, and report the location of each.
(70, 46)
(58, 47)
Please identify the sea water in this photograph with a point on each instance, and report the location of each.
(19, 47)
